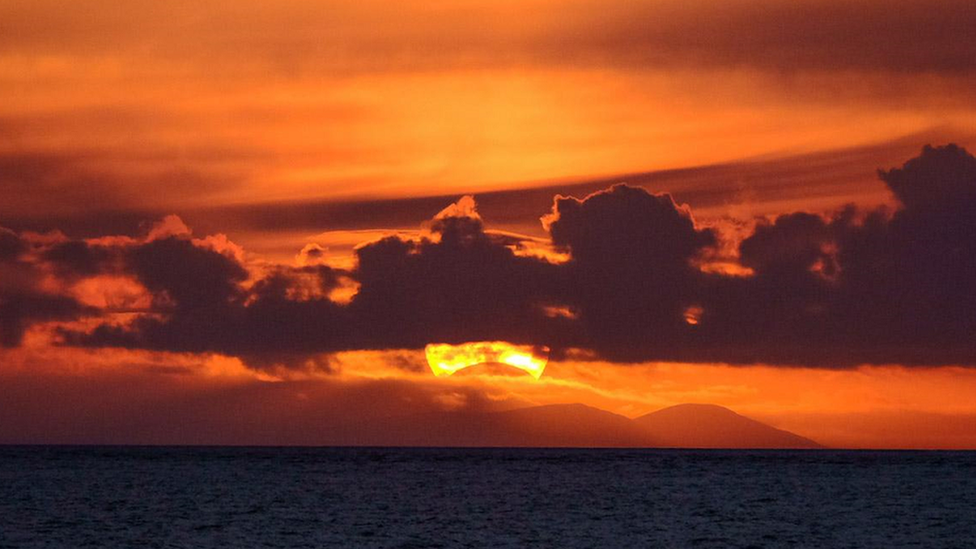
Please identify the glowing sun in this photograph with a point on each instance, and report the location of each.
(446, 359)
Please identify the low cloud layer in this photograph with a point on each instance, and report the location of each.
(634, 283)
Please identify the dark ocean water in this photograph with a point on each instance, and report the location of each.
(331, 497)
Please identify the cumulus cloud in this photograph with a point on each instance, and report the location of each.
(631, 272)
(458, 284)
(860, 287)
(914, 274)
(205, 300)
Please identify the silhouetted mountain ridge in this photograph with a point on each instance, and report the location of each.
(578, 425)
(711, 426)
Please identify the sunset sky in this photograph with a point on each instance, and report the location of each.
(241, 222)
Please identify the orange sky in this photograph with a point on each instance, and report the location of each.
(242, 117)
(238, 102)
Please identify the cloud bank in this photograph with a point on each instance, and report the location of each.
(633, 284)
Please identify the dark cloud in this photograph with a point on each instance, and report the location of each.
(631, 267)
(461, 284)
(21, 308)
(915, 274)
(939, 180)
(11, 246)
(187, 275)
(458, 284)
(77, 258)
(779, 314)
(200, 304)
(851, 287)
(860, 287)
(23, 299)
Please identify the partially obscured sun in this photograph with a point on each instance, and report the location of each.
(446, 359)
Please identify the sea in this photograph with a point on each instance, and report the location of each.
(192, 497)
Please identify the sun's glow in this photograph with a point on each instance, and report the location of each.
(446, 359)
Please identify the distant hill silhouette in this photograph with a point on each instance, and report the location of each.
(711, 426)
(558, 425)
(577, 425)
